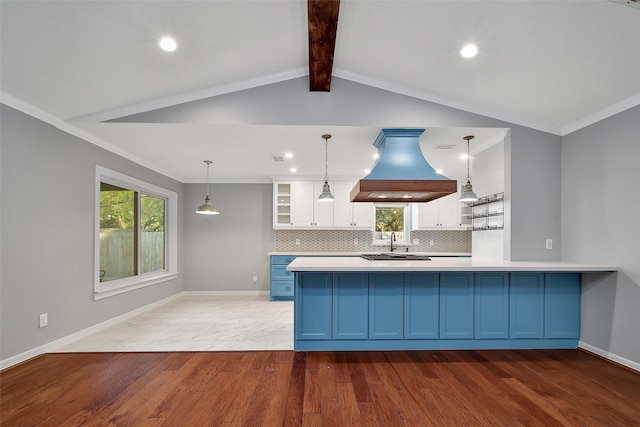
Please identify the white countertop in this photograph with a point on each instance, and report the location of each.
(357, 254)
(439, 264)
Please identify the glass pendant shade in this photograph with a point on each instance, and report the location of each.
(326, 195)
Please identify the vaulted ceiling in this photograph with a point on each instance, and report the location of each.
(555, 66)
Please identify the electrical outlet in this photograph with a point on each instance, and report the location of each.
(416, 242)
(430, 242)
(297, 241)
(549, 244)
(355, 241)
(255, 279)
(43, 320)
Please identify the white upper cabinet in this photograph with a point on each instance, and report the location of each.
(347, 214)
(308, 212)
(282, 208)
(296, 206)
(437, 214)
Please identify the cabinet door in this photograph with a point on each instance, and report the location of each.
(303, 204)
(456, 305)
(282, 194)
(350, 306)
(342, 211)
(322, 211)
(562, 305)
(363, 215)
(386, 306)
(427, 214)
(526, 301)
(421, 305)
(491, 305)
(449, 211)
(312, 308)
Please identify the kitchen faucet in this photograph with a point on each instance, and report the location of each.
(393, 239)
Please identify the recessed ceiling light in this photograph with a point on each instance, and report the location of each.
(463, 156)
(439, 171)
(367, 171)
(292, 170)
(167, 44)
(376, 155)
(469, 51)
(288, 155)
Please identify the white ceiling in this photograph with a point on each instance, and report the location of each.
(552, 65)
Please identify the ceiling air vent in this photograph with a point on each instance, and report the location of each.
(277, 158)
(444, 147)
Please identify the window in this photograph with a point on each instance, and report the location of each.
(391, 219)
(136, 234)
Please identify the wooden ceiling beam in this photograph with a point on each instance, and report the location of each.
(323, 26)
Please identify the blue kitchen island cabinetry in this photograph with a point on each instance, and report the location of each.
(410, 311)
(281, 280)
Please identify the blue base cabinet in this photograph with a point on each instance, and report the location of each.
(350, 306)
(386, 306)
(491, 306)
(456, 305)
(421, 306)
(562, 293)
(282, 283)
(439, 311)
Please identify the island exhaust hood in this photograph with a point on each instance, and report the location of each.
(401, 173)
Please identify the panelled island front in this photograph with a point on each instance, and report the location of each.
(350, 303)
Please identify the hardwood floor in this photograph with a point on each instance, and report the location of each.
(404, 388)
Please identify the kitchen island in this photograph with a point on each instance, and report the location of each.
(350, 303)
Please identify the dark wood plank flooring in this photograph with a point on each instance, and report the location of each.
(403, 388)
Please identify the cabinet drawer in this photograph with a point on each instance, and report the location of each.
(282, 259)
(282, 288)
(279, 272)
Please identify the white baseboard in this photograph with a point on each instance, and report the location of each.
(227, 293)
(53, 345)
(611, 356)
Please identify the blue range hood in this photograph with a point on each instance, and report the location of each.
(401, 173)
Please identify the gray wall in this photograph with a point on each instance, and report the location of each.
(47, 214)
(600, 205)
(534, 169)
(225, 251)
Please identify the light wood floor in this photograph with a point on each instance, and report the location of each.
(273, 388)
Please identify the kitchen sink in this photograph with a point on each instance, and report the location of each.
(390, 256)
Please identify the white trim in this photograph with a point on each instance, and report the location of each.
(447, 102)
(197, 95)
(227, 293)
(610, 356)
(609, 111)
(60, 124)
(56, 344)
(115, 287)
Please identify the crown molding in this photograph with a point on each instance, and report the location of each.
(447, 102)
(611, 110)
(182, 98)
(26, 108)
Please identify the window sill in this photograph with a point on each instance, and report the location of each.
(117, 287)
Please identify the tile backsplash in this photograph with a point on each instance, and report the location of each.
(345, 241)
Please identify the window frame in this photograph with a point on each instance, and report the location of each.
(139, 280)
(406, 241)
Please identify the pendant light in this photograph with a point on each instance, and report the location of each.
(467, 190)
(207, 208)
(326, 195)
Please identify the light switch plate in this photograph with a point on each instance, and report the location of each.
(549, 244)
